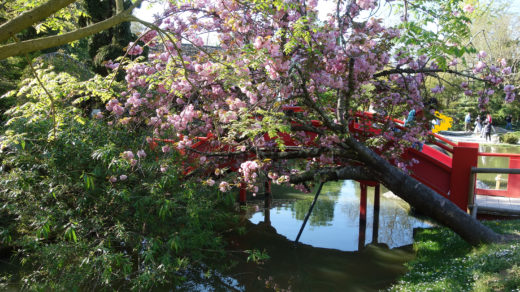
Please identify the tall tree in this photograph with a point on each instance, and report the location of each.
(108, 44)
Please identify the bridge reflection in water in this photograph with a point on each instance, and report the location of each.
(327, 257)
(334, 222)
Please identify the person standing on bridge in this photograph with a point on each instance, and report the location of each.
(509, 120)
(412, 115)
(478, 125)
(487, 131)
(467, 121)
(410, 119)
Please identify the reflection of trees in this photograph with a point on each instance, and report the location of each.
(322, 214)
(332, 188)
(396, 225)
(494, 162)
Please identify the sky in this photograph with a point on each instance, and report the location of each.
(147, 11)
(325, 6)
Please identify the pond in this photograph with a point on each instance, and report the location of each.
(328, 257)
(489, 180)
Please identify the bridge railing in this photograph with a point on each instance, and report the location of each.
(513, 180)
(369, 119)
(473, 191)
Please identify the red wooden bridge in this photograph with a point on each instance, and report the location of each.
(444, 166)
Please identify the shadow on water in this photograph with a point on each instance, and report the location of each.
(302, 267)
(327, 259)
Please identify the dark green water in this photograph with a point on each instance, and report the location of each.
(328, 258)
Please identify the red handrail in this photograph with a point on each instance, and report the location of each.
(499, 154)
(443, 139)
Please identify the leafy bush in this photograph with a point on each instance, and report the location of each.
(82, 216)
(511, 138)
(445, 262)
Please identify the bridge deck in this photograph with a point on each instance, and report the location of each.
(498, 205)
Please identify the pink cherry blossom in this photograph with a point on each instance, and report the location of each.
(141, 153)
(224, 186)
(128, 155)
(468, 8)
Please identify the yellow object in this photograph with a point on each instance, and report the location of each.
(445, 123)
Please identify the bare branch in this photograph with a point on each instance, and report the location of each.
(28, 18)
(294, 154)
(120, 6)
(28, 46)
(425, 71)
(333, 174)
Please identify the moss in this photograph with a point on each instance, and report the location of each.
(445, 262)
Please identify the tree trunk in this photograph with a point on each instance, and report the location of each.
(424, 199)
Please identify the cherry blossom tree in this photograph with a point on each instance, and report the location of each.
(274, 55)
(278, 55)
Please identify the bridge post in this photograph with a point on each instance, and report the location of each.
(465, 156)
(375, 225)
(267, 194)
(362, 215)
(242, 194)
(513, 180)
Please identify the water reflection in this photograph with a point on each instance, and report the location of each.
(335, 219)
(322, 214)
(306, 268)
(489, 179)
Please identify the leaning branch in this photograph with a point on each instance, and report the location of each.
(425, 71)
(293, 154)
(333, 174)
(26, 19)
(312, 104)
(28, 46)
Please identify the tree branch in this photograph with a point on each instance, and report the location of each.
(312, 104)
(301, 153)
(28, 46)
(28, 18)
(425, 71)
(344, 98)
(333, 174)
(120, 6)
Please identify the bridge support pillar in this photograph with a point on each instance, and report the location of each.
(267, 194)
(465, 156)
(362, 216)
(375, 225)
(242, 194)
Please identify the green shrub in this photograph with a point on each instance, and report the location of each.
(445, 262)
(72, 227)
(511, 138)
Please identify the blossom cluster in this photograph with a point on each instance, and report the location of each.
(270, 58)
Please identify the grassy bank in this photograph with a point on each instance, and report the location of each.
(446, 263)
